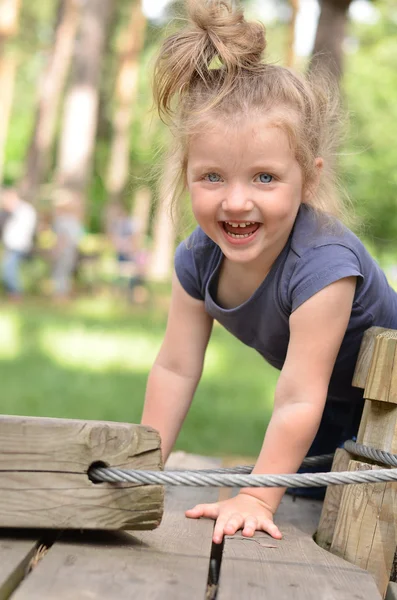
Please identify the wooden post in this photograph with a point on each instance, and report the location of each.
(44, 481)
(333, 495)
(366, 525)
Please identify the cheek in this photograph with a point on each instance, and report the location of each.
(278, 211)
(202, 206)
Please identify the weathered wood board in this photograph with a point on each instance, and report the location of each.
(173, 561)
(294, 567)
(365, 356)
(382, 376)
(170, 563)
(365, 531)
(332, 500)
(16, 552)
(44, 481)
(302, 513)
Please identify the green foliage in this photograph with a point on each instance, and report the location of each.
(91, 359)
(370, 157)
(368, 160)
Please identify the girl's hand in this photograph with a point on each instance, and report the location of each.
(242, 512)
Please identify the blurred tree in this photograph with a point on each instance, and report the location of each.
(79, 125)
(9, 16)
(51, 86)
(141, 214)
(369, 158)
(131, 44)
(291, 33)
(164, 232)
(331, 32)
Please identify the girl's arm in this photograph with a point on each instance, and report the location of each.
(317, 329)
(177, 370)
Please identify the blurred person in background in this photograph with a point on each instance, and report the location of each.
(123, 232)
(19, 220)
(68, 229)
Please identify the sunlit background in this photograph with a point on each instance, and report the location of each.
(76, 106)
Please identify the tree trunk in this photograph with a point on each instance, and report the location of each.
(125, 93)
(9, 17)
(328, 46)
(291, 33)
(50, 89)
(141, 214)
(160, 267)
(81, 105)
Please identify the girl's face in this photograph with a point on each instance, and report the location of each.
(246, 187)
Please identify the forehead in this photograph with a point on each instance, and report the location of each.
(244, 139)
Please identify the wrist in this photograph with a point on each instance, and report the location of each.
(269, 502)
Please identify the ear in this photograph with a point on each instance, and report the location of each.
(312, 185)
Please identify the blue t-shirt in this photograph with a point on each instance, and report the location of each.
(318, 253)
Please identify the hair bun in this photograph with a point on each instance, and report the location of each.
(235, 40)
(217, 31)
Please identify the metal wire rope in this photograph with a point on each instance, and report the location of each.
(236, 477)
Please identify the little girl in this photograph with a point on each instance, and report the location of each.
(270, 259)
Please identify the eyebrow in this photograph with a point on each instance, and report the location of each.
(260, 167)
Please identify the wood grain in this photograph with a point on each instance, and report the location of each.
(170, 563)
(365, 356)
(68, 445)
(15, 556)
(72, 501)
(383, 364)
(378, 428)
(365, 532)
(44, 481)
(294, 567)
(333, 495)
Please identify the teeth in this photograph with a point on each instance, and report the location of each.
(239, 235)
(240, 224)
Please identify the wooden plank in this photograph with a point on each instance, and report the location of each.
(44, 481)
(70, 445)
(170, 563)
(383, 364)
(302, 513)
(365, 532)
(332, 500)
(378, 428)
(365, 356)
(16, 552)
(72, 501)
(294, 567)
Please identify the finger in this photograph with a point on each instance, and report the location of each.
(250, 526)
(269, 527)
(203, 510)
(235, 522)
(219, 530)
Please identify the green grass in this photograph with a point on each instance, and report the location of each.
(90, 360)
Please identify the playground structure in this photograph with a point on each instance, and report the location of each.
(44, 466)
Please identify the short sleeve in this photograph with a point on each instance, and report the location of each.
(319, 267)
(186, 270)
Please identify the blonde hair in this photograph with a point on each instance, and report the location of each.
(214, 68)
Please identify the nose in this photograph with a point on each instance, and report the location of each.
(237, 199)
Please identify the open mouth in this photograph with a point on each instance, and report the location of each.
(239, 230)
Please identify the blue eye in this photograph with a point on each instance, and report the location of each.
(212, 177)
(265, 178)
